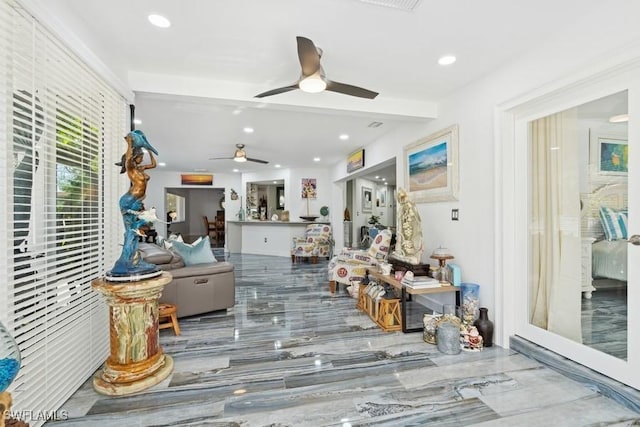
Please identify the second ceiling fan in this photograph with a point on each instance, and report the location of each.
(312, 77)
(240, 156)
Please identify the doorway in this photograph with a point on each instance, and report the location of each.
(564, 166)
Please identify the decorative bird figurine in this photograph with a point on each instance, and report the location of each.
(149, 216)
(140, 141)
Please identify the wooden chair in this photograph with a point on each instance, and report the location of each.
(210, 227)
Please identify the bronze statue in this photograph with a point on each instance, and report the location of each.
(133, 214)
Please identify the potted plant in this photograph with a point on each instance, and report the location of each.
(374, 219)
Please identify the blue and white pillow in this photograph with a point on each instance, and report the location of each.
(199, 252)
(614, 222)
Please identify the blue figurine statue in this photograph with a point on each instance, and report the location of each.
(130, 264)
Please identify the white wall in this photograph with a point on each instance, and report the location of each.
(161, 180)
(557, 62)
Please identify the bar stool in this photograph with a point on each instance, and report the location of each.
(168, 312)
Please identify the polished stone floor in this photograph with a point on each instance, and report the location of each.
(292, 354)
(604, 321)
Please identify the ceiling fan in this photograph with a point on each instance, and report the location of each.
(312, 78)
(240, 156)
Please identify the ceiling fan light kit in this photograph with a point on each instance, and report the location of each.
(313, 84)
(240, 156)
(312, 77)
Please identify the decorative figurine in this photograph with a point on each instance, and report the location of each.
(471, 340)
(130, 266)
(409, 245)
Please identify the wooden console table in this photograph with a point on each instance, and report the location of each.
(407, 292)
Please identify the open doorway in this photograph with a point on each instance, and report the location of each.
(198, 204)
(370, 198)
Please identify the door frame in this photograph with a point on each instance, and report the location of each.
(512, 215)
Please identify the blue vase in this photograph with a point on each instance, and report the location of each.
(9, 358)
(469, 302)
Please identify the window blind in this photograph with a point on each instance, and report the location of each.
(62, 127)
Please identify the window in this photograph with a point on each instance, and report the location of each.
(64, 128)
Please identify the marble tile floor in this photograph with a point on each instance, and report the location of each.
(604, 321)
(292, 354)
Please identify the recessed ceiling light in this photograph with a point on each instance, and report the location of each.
(159, 21)
(447, 60)
(277, 166)
(384, 179)
(248, 130)
(377, 177)
(316, 159)
(275, 182)
(236, 170)
(344, 137)
(619, 119)
(137, 121)
(162, 164)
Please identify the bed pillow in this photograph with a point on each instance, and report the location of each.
(199, 252)
(614, 222)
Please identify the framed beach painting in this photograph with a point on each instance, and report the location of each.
(355, 160)
(431, 167)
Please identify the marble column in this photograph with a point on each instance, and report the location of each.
(136, 361)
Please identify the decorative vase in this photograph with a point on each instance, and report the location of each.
(485, 327)
(430, 322)
(9, 358)
(448, 338)
(469, 297)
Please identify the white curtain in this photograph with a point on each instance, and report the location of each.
(555, 298)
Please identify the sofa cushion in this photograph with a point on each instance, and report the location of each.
(197, 253)
(159, 256)
(202, 269)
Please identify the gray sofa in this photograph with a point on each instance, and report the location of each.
(195, 289)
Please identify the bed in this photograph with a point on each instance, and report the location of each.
(604, 239)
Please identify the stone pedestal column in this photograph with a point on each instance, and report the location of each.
(136, 361)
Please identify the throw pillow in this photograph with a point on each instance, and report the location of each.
(168, 243)
(199, 252)
(614, 222)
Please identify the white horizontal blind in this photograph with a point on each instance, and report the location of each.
(61, 127)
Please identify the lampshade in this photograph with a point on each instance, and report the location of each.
(313, 84)
(441, 252)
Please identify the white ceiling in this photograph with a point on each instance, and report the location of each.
(195, 81)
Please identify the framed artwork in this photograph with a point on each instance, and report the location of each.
(196, 179)
(280, 197)
(431, 167)
(381, 197)
(309, 188)
(367, 199)
(608, 157)
(355, 161)
(613, 156)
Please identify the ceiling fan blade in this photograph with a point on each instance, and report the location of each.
(277, 91)
(220, 158)
(264, 162)
(350, 90)
(308, 55)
